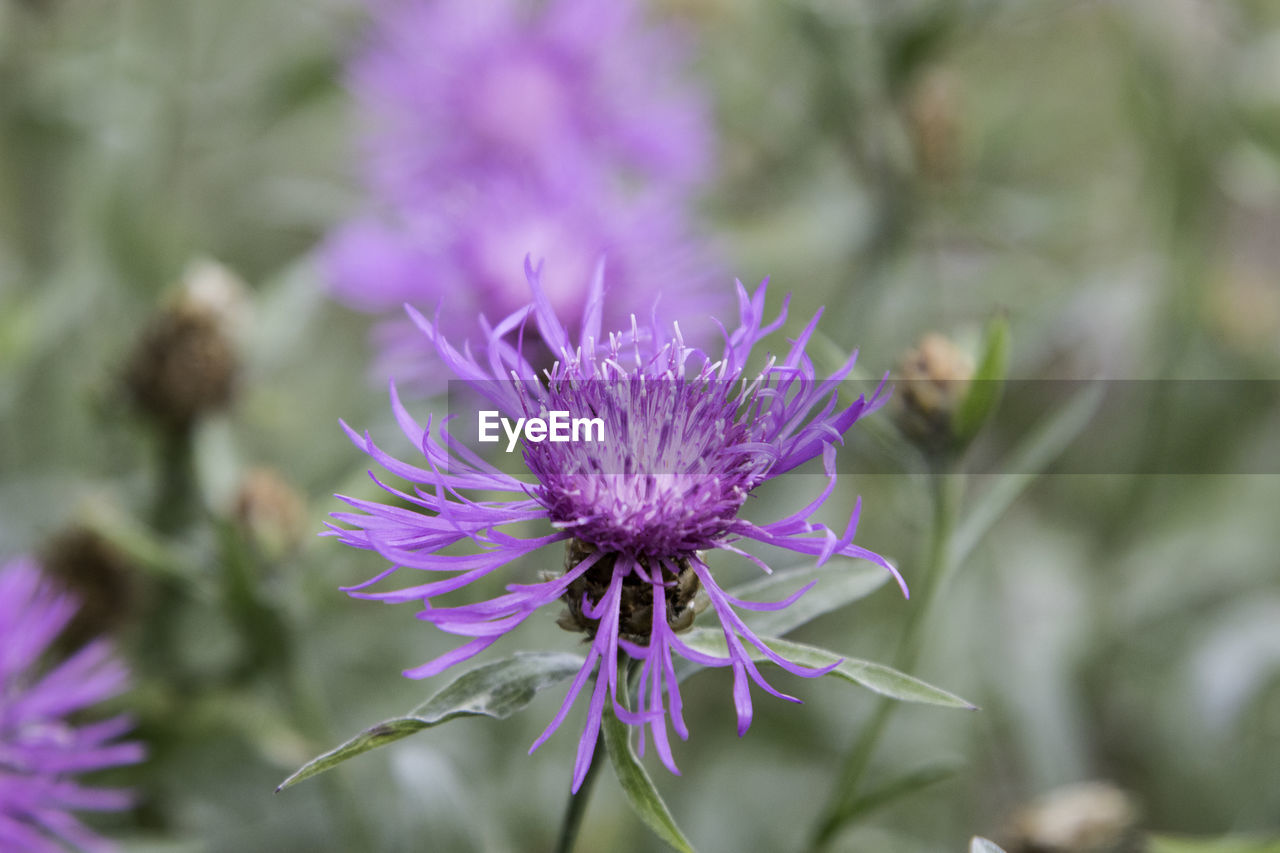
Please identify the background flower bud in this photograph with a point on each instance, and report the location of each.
(933, 379)
(942, 400)
(185, 363)
(1091, 817)
(270, 513)
(100, 576)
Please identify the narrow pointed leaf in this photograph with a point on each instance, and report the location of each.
(987, 384)
(876, 677)
(644, 798)
(501, 688)
(840, 582)
(897, 788)
(497, 690)
(982, 845)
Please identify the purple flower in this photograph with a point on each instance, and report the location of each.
(40, 749)
(459, 255)
(500, 129)
(687, 438)
(458, 87)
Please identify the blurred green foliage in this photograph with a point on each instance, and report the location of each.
(1105, 175)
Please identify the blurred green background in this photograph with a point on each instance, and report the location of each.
(1106, 174)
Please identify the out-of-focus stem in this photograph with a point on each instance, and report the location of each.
(175, 495)
(174, 508)
(947, 490)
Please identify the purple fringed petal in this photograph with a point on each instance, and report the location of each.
(770, 605)
(731, 620)
(451, 658)
(741, 698)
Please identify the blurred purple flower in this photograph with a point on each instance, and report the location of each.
(40, 749)
(497, 130)
(455, 87)
(687, 439)
(459, 258)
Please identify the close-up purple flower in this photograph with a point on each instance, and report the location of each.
(686, 440)
(43, 741)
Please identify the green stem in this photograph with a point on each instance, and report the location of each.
(947, 491)
(175, 497)
(269, 646)
(174, 508)
(272, 651)
(576, 809)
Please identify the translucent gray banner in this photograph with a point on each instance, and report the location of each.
(1140, 427)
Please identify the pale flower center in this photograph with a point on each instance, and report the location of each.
(519, 104)
(499, 259)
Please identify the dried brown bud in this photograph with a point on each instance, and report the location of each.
(185, 363)
(1091, 817)
(635, 610)
(98, 575)
(931, 382)
(270, 512)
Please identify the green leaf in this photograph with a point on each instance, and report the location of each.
(902, 786)
(1054, 434)
(987, 383)
(644, 798)
(839, 582)
(497, 690)
(876, 677)
(982, 845)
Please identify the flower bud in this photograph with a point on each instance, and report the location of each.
(98, 575)
(270, 513)
(943, 401)
(1091, 817)
(685, 599)
(1243, 309)
(185, 363)
(933, 380)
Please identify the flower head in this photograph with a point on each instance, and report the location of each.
(40, 749)
(687, 439)
(494, 130)
(457, 87)
(459, 253)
